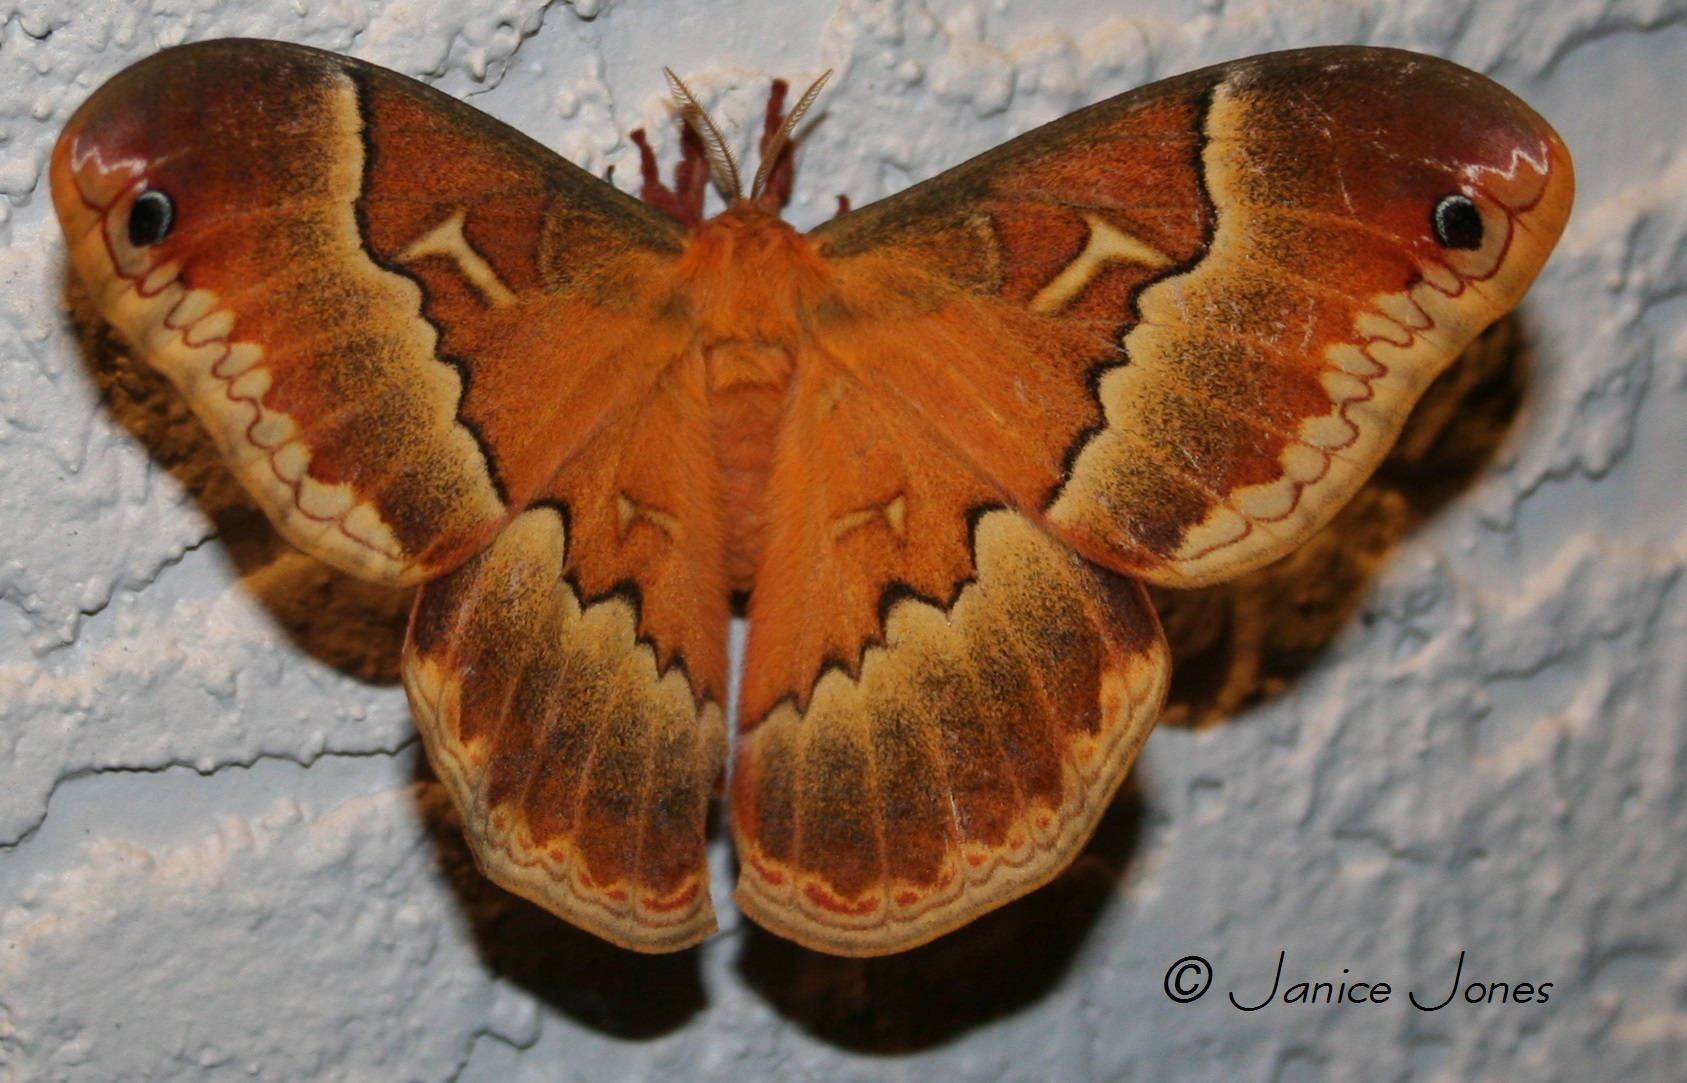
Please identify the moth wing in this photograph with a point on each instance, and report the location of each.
(1169, 335)
(939, 697)
(395, 315)
(1204, 309)
(570, 681)
(404, 323)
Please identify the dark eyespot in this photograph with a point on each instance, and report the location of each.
(1458, 224)
(151, 218)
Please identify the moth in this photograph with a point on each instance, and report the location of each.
(932, 449)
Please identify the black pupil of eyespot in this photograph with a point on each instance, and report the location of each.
(1458, 224)
(150, 218)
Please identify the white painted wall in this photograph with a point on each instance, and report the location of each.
(220, 856)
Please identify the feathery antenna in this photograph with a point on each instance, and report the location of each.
(779, 142)
(722, 166)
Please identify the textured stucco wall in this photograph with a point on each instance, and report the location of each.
(221, 855)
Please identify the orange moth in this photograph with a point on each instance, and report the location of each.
(935, 446)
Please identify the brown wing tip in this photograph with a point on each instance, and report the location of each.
(974, 878)
(623, 914)
(551, 874)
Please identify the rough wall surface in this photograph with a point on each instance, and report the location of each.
(222, 857)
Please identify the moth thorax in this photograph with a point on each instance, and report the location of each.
(750, 277)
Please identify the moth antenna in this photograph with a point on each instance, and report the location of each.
(780, 140)
(722, 166)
